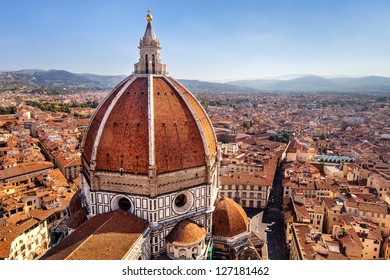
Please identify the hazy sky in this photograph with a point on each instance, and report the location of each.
(200, 39)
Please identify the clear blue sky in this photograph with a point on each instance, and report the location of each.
(201, 39)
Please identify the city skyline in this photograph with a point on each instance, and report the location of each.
(217, 41)
(151, 171)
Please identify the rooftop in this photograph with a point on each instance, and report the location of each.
(108, 236)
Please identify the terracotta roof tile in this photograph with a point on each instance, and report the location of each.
(124, 142)
(24, 169)
(125, 139)
(77, 218)
(245, 178)
(107, 236)
(178, 143)
(97, 119)
(204, 120)
(9, 232)
(186, 232)
(229, 219)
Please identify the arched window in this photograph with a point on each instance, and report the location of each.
(182, 253)
(153, 65)
(146, 63)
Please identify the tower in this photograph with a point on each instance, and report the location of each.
(150, 150)
(149, 46)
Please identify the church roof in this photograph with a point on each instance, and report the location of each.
(149, 121)
(229, 218)
(108, 236)
(149, 33)
(185, 233)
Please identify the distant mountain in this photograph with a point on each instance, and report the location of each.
(256, 84)
(28, 71)
(62, 81)
(61, 78)
(364, 84)
(311, 83)
(196, 86)
(108, 81)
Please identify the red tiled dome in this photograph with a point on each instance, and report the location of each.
(186, 233)
(229, 219)
(146, 112)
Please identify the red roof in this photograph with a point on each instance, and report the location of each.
(183, 134)
(108, 236)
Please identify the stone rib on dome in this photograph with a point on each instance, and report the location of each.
(124, 143)
(204, 120)
(178, 142)
(229, 218)
(186, 233)
(98, 117)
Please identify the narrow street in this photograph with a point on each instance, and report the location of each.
(273, 215)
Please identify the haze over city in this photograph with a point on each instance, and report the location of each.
(228, 40)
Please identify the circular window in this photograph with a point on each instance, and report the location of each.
(121, 202)
(182, 202)
(124, 204)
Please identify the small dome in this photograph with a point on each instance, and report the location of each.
(229, 219)
(186, 233)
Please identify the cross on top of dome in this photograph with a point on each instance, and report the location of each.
(149, 17)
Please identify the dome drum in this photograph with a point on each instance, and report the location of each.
(145, 186)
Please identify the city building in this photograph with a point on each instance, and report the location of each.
(368, 233)
(334, 209)
(309, 245)
(248, 189)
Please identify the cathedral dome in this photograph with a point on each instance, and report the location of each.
(229, 218)
(149, 125)
(148, 121)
